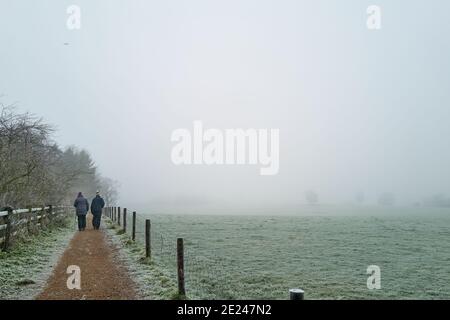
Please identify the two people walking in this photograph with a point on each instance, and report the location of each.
(81, 205)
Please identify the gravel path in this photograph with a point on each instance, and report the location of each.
(103, 275)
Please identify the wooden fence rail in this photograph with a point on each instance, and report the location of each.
(26, 221)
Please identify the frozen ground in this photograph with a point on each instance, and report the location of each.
(261, 257)
(153, 281)
(25, 269)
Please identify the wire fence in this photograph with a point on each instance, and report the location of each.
(202, 275)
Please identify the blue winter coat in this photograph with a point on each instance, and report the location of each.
(97, 205)
(82, 206)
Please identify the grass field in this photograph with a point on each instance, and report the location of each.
(261, 257)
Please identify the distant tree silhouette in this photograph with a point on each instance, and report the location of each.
(386, 199)
(311, 197)
(359, 197)
(438, 200)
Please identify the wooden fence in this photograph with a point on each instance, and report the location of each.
(14, 223)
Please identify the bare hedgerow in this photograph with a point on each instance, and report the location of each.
(35, 171)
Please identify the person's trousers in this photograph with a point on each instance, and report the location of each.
(96, 220)
(81, 222)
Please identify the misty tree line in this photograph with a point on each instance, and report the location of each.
(35, 171)
(388, 199)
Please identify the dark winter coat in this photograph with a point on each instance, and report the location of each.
(82, 206)
(97, 205)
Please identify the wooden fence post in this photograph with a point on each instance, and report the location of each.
(118, 216)
(125, 219)
(50, 213)
(7, 240)
(148, 248)
(133, 231)
(180, 265)
(29, 217)
(296, 294)
(43, 215)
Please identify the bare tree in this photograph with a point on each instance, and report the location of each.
(311, 197)
(35, 171)
(386, 199)
(108, 189)
(359, 197)
(25, 150)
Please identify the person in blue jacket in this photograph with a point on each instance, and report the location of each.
(81, 208)
(97, 206)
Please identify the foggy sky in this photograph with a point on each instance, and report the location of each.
(357, 110)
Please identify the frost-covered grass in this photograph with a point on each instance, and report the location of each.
(262, 257)
(153, 281)
(25, 269)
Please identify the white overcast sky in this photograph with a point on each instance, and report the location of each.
(357, 109)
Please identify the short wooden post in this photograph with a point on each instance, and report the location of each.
(44, 215)
(50, 213)
(133, 231)
(118, 216)
(148, 248)
(114, 213)
(296, 294)
(7, 240)
(29, 217)
(180, 265)
(125, 219)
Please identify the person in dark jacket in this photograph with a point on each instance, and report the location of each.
(96, 208)
(82, 207)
